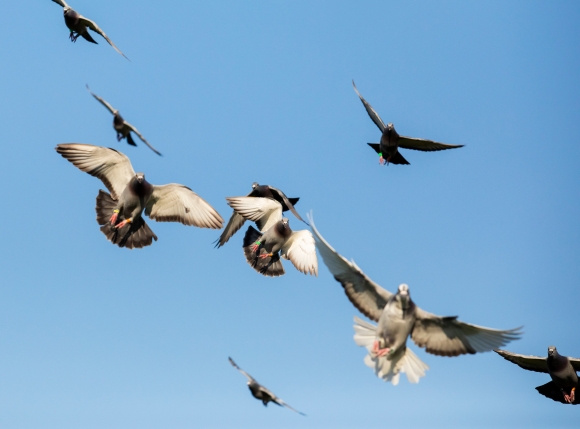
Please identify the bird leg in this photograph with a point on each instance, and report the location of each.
(381, 159)
(570, 398)
(265, 255)
(255, 246)
(380, 352)
(119, 137)
(123, 223)
(73, 37)
(114, 217)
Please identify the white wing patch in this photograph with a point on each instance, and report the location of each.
(266, 212)
(300, 249)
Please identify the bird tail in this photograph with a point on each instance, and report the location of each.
(86, 35)
(136, 234)
(388, 368)
(272, 266)
(550, 390)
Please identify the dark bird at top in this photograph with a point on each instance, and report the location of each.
(391, 141)
(122, 127)
(562, 370)
(258, 191)
(120, 213)
(260, 392)
(79, 25)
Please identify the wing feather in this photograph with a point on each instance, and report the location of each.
(531, 363)
(300, 249)
(266, 212)
(372, 113)
(112, 167)
(93, 26)
(447, 336)
(367, 296)
(424, 144)
(178, 203)
(142, 138)
(102, 101)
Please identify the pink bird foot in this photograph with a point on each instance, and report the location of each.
(114, 217)
(380, 352)
(122, 224)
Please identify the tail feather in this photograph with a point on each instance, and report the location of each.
(135, 235)
(389, 368)
(552, 391)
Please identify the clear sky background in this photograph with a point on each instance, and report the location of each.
(94, 336)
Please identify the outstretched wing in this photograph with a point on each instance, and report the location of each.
(367, 296)
(300, 249)
(233, 226)
(424, 144)
(111, 166)
(282, 196)
(142, 138)
(178, 203)
(447, 336)
(93, 26)
(235, 365)
(61, 2)
(372, 113)
(266, 212)
(102, 101)
(531, 363)
(279, 401)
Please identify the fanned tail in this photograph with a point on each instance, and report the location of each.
(134, 235)
(271, 267)
(389, 368)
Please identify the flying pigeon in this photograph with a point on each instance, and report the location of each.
(122, 127)
(78, 26)
(260, 191)
(562, 370)
(260, 392)
(120, 213)
(398, 318)
(263, 250)
(391, 141)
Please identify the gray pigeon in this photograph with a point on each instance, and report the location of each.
(260, 392)
(391, 141)
(398, 318)
(562, 370)
(79, 25)
(263, 251)
(258, 191)
(120, 213)
(122, 127)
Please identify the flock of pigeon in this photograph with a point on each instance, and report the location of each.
(120, 216)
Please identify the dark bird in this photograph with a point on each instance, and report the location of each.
(120, 125)
(79, 25)
(120, 212)
(562, 370)
(263, 250)
(391, 141)
(258, 191)
(260, 392)
(398, 318)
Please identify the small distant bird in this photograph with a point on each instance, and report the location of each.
(562, 370)
(120, 125)
(120, 213)
(258, 191)
(78, 26)
(398, 318)
(391, 141)
(263, 250)
(260, 392)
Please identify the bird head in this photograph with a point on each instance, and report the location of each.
(403, 297)
(552, 351)
(255, 185)
(390, 126)
(140, 177)
(284, 222)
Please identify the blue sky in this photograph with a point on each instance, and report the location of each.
(94, 336)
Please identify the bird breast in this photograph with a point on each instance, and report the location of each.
(393, 328)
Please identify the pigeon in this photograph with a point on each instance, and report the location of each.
(391, 141)
(260, 392)
(263, 250)
(122, 127)
(262, 191)
(78, 26)
(120, 212)
(398, 318)
(562, 370)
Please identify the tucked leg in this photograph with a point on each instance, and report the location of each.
(114, 217)
(123, 223)
(255, 246)
(380, 352)
(265, 255)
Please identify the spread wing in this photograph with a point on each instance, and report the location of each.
(279, 401)
(282, 196)
(61, 2)
(531, 363)
(233, 226)
(447, 336)
(103, 102)
(93, 26)
(300, 249)
(424, 145)
(142, 138)
(264, 211)
(178, 203)
(372, 113)
(367, 296)
(248, 376)
(111, 166)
